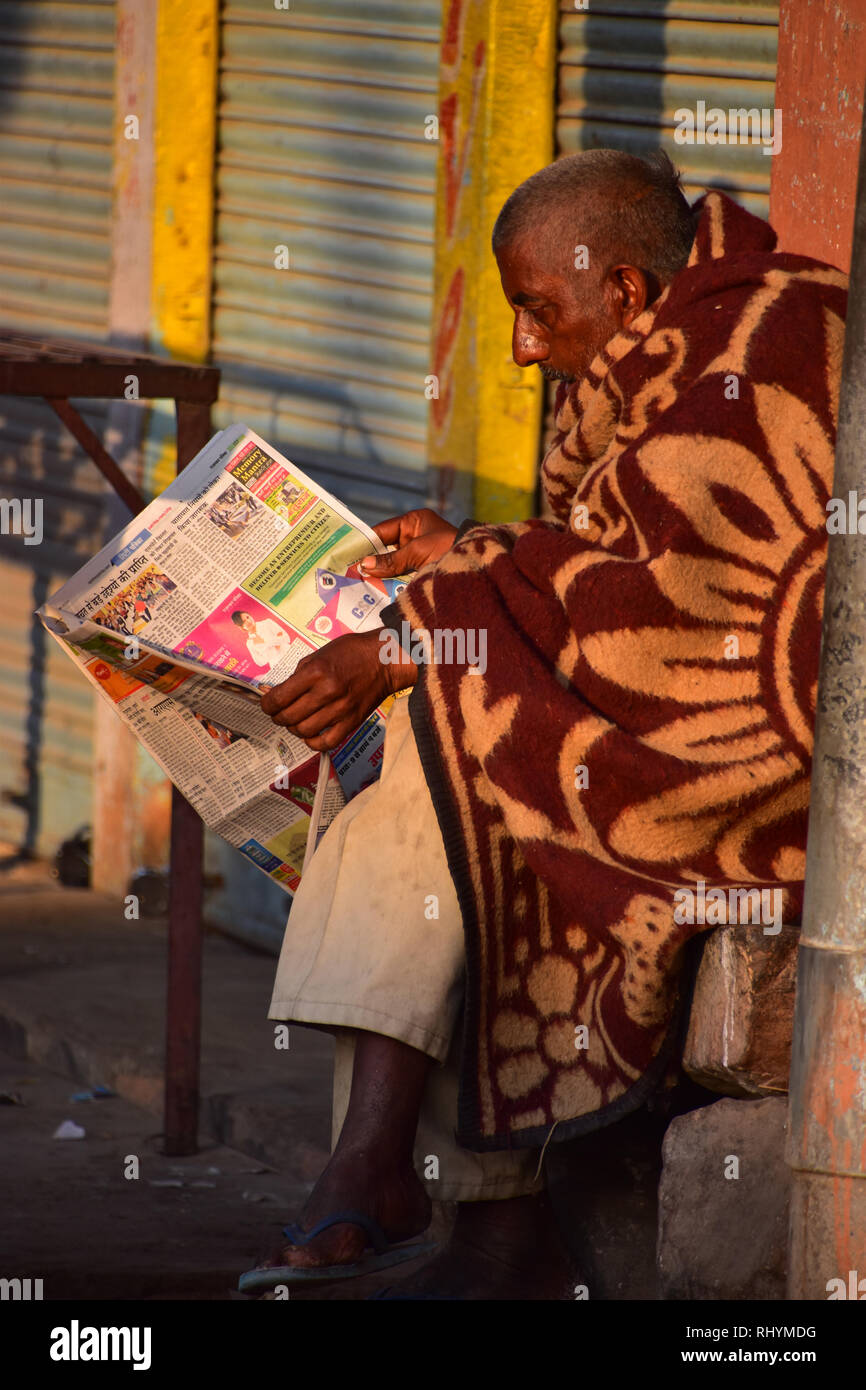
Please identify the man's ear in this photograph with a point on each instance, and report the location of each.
(633, 289)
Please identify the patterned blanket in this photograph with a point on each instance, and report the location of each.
(636, 754)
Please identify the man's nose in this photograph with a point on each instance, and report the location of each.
(526, 347)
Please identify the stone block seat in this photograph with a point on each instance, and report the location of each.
(742, 1012)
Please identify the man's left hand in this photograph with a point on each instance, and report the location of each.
(333, 690)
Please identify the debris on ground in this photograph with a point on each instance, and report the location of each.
(68, 1130)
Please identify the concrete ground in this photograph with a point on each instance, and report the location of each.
(82, 1004)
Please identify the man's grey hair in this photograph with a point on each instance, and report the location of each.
(627, 207)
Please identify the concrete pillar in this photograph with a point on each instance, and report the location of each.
(827, 1128)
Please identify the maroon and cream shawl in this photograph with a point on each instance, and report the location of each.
(645, 719)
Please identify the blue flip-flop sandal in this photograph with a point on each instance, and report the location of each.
(383, 1256)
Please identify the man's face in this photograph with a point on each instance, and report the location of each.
(562, 316)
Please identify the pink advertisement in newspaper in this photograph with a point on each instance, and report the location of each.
(244, 639)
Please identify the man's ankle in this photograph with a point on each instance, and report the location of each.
(371, 1154)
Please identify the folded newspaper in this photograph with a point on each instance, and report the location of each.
(228, 579)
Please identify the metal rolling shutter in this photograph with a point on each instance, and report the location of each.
(625, 67)
(56, 112)
(322, 149)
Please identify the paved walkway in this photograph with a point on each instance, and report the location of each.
(82, 1003)
(82, 990)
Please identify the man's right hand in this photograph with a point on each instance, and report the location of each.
(421, 537)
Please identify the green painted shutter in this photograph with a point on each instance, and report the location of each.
(322, 150)
(56, 111)
(625, 67)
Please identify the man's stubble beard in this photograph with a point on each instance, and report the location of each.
(590, 354)
(553, 374)
(582, 366)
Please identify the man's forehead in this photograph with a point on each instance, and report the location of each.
(531, 268)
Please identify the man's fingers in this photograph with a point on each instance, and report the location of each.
(326, 728)
(322, 720)
(277, 697)
(380, 564)
(339, 685)
(311, 704)
(421, 535)
(331, 737)
(389, 530)
(403, 561)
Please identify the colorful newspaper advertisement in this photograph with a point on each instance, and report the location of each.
(228, 579)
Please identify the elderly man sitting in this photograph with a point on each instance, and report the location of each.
(490, 931)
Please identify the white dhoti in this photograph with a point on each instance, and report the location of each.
(375, 942)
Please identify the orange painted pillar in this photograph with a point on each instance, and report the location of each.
(819, 91)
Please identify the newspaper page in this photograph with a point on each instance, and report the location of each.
(235, 573)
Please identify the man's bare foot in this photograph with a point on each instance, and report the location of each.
(498, 1250)
(390, 1193)
(371, 1169)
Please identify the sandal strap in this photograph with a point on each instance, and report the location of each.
(374, 1231)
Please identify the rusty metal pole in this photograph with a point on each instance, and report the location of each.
(827, 1114)
(185, 931)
